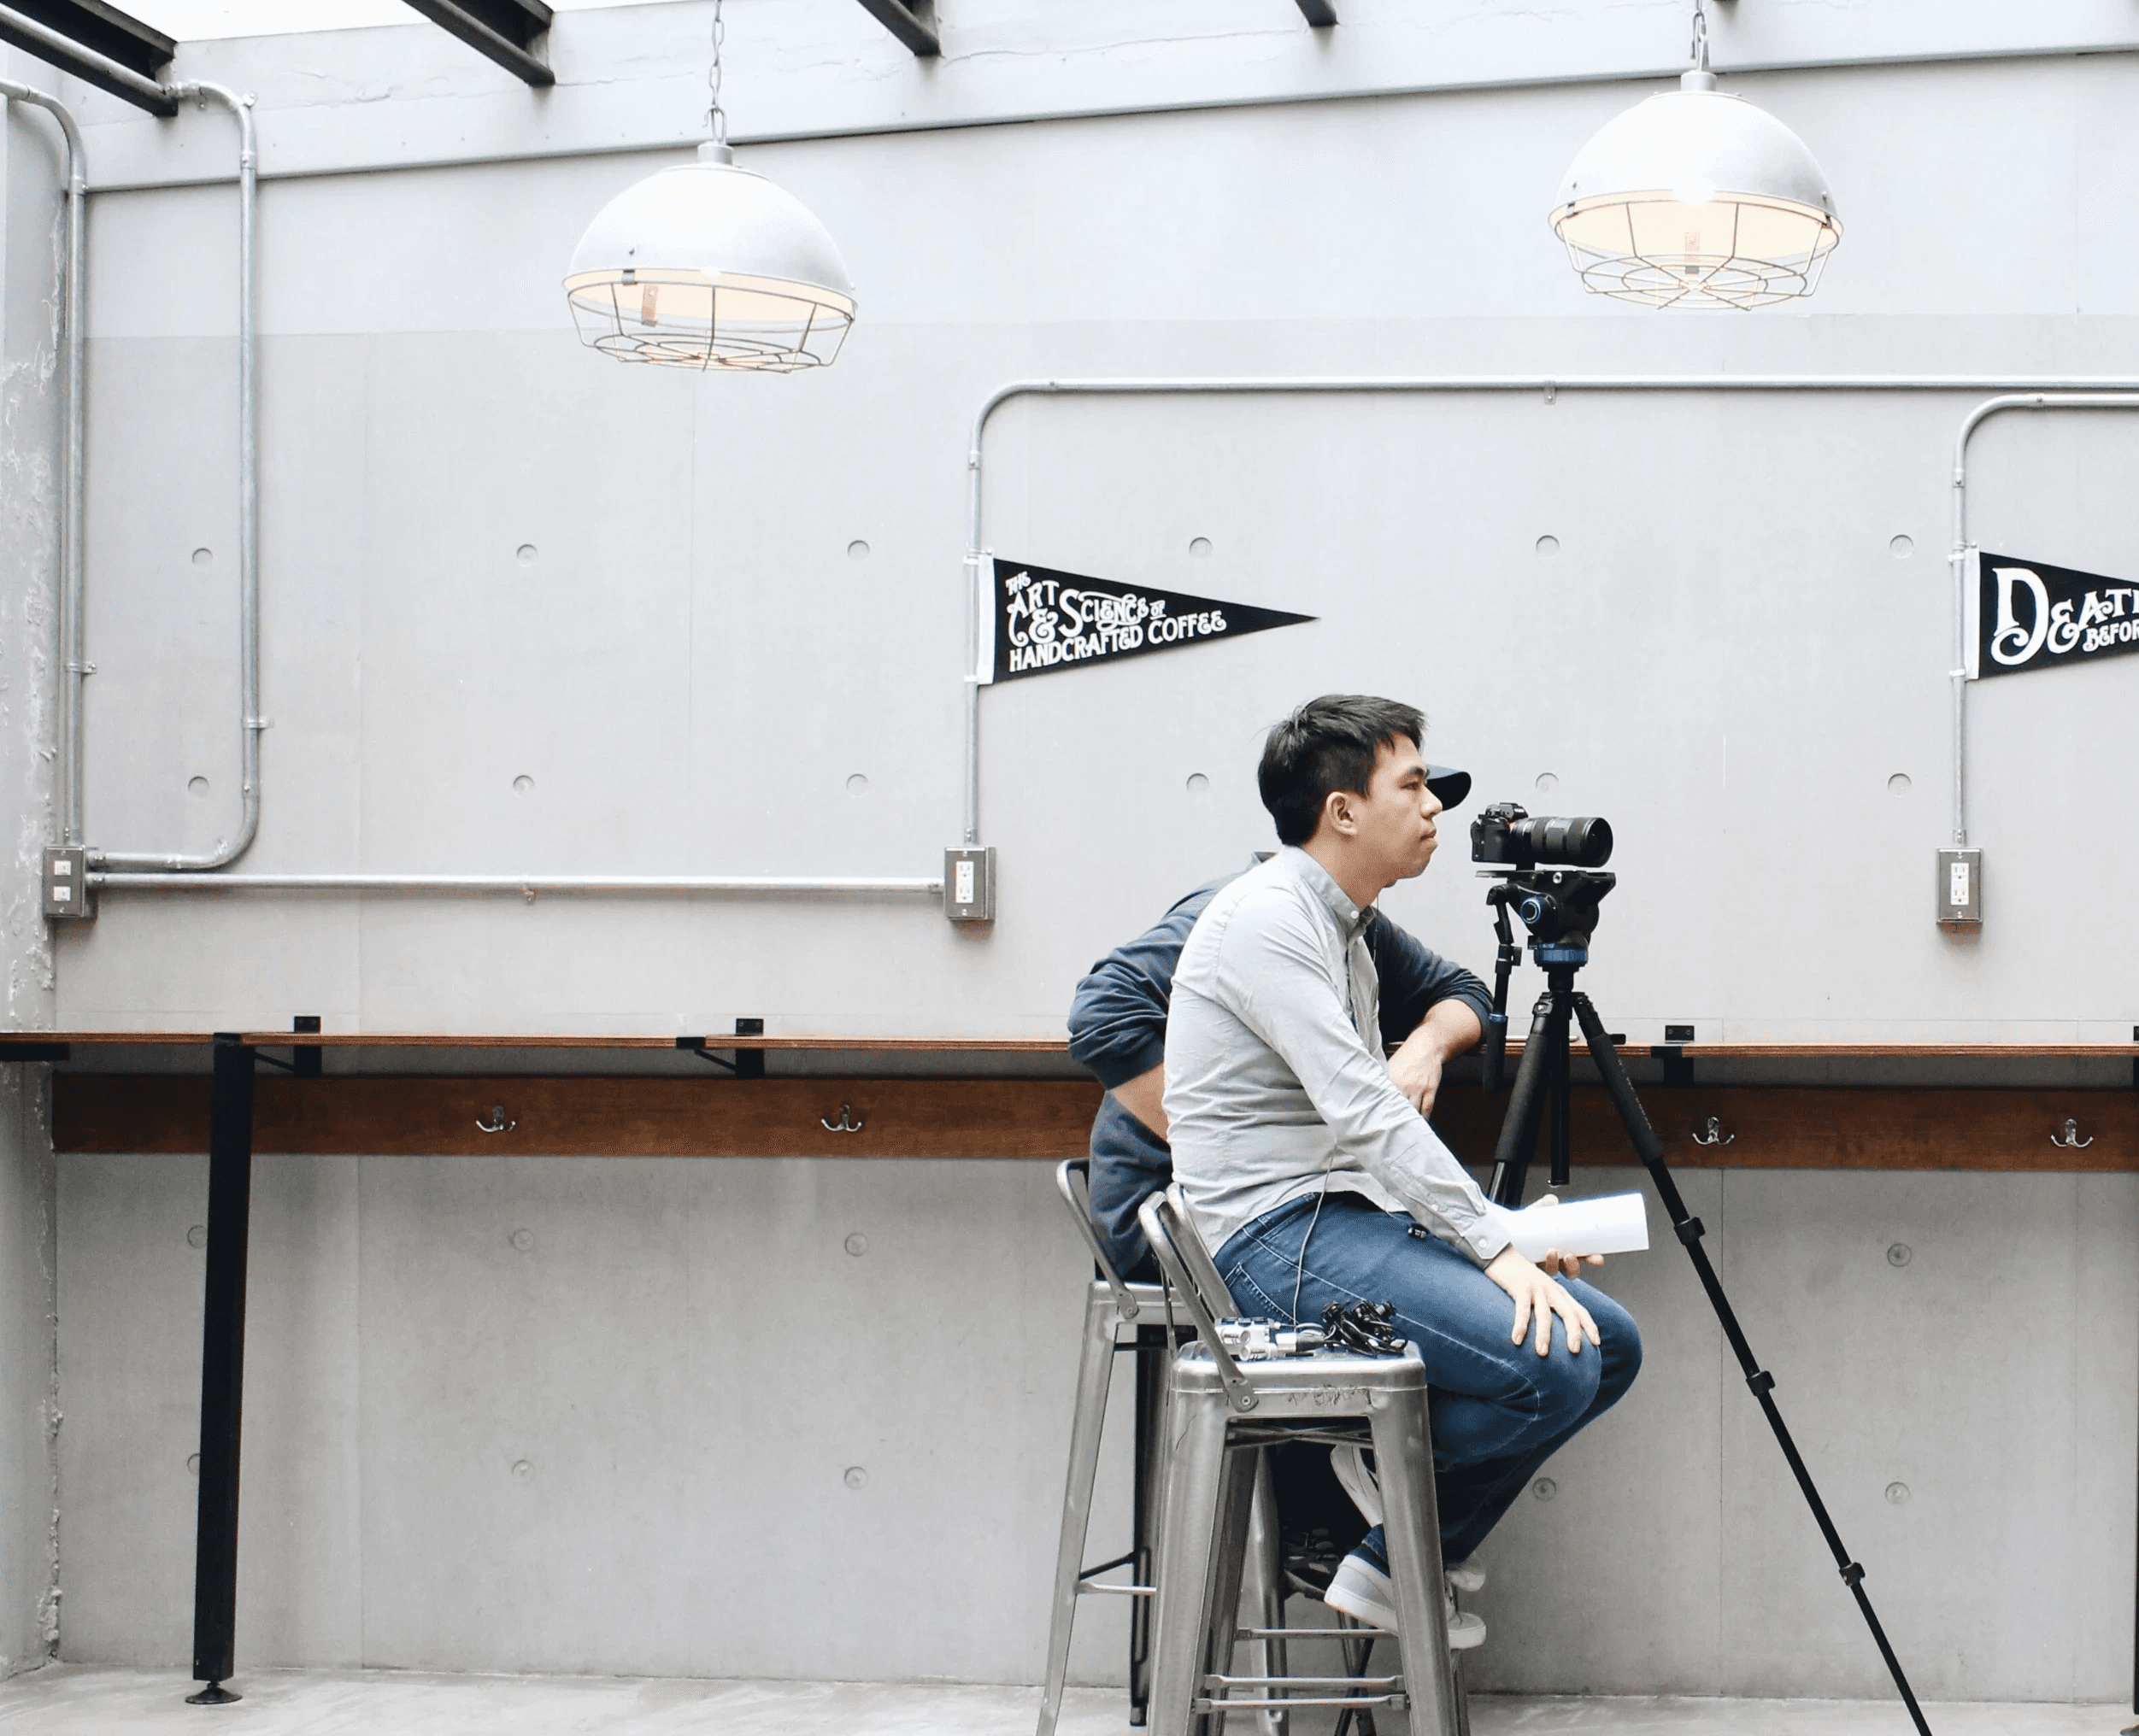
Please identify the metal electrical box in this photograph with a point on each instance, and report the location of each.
(66, 883)
(1960, 887)
(969, 885)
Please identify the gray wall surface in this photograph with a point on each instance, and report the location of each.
(527, 612)
(630, 1445)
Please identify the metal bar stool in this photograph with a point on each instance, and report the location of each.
(1221, 1413)
(1110, 1303)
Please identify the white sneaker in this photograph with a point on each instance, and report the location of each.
(1466, 1575)
(1361, 1590)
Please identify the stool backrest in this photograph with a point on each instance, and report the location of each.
(1192, 1275)
(1073, 1181)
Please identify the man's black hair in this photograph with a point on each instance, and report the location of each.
(1329, 743)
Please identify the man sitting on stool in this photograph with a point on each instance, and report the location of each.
(1431, 1009)
(1312, 1175)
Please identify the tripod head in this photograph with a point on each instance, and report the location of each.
(1558, 907)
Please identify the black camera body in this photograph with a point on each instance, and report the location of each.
(1505, 835)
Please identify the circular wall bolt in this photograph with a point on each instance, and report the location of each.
(196, 1236)
(525, 554)
(197, 786)
(1548, 546)
(857, 550)
(1899, 784)
(203, 557)
(857, 785)
(193, 1463)
(857, 1244)
(1548, 782)
(856, 1477)
(1200, 546)
(523, 1469)
(523, 785)
(523, 1239)
(1544, 1488)
(1898, 1255)
(1901, 547)
(1898, 1493)
(1198, 784)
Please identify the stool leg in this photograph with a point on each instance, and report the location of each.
(1189, 1532)
(1095, 1369)
(1403, 1458)
(1266, 1583)
(1154, 1348)
(1462, 1696)
(1221, 1612)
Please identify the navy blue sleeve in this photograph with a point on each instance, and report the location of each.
(1414, 979)
(1117, 1021)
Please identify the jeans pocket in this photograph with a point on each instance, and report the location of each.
(1241, 1285)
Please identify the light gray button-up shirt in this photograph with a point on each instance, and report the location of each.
(1274, 1079)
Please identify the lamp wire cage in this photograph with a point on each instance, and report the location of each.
(1734, 250)
(697, 319)
(677, 316)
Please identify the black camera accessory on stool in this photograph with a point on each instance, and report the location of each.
(1558, 907)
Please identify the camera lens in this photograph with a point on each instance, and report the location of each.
(1585, 842)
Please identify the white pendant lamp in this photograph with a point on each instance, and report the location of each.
(1695, 199)
(707, 265)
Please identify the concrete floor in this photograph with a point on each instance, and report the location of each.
(69, 1700)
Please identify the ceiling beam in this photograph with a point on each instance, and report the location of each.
(1320, 14)
(96, 43)
(508, 32)
(913, 22)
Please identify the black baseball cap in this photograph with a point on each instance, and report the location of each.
(1449, 784)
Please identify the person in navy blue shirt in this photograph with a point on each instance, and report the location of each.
(1430, 1006)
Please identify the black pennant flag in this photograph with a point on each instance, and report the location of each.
(2028, 614)
(1044, 619)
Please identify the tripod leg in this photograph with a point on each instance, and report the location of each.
(1518, 1131)
(1690, 1231)
(1562, 1103)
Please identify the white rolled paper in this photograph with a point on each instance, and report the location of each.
(1616, 1224)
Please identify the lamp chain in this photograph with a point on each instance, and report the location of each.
(1700, 42)
(716, 116)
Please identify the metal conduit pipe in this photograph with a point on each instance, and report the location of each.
(1958, 677)
(250, 721)
(2079, 393)
(766, 885)
(73, 319)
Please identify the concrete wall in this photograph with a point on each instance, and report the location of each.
(631, 1446)
(1741, 639)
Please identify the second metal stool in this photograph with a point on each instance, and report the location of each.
(1221, 1413)
(1110, 1303)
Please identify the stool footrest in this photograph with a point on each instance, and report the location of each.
(1119, 1591)
(1399, 1701)
(1385, 1682)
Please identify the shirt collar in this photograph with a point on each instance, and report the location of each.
(1351, 920)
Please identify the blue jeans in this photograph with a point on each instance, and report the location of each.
(1499, 1409)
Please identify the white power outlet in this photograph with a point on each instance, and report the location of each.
(969, 885)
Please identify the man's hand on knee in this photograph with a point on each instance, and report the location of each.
(1538, 1296)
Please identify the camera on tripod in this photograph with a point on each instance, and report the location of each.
(1506, 834)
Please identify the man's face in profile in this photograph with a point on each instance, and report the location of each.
(1396, 819)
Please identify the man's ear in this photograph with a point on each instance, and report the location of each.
(1337, 809)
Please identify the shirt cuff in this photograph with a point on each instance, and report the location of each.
(1118, 1066)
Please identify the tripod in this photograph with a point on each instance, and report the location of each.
(1559, 906)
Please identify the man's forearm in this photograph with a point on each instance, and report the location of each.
(1451, 1027)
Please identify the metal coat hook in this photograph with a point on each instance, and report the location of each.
(497, 1123)
(2070, 1140)
(849, 1122)
(1713, 1134)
